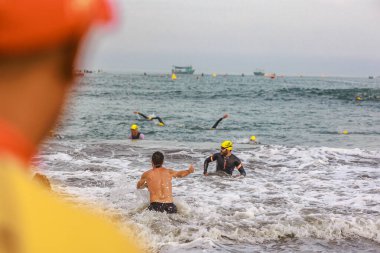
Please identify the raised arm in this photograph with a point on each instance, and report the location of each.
(141, 184)
(143, 115)
(182, 173)
(219, 120)
(205, 165)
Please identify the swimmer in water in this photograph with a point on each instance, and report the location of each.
(225, 116)
(42, 180)
(135, 134)
(225, 160)
(160, 122)
(158, 180)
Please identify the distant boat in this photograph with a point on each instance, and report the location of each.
(259, 72)
(370, 77)
(188, 70)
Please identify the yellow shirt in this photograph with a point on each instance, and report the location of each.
(34, 220)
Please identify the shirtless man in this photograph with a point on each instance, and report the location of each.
(158, 180)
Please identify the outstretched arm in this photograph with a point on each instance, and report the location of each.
(182, 173)
(141, 184)
(143, 115)
(219, 120)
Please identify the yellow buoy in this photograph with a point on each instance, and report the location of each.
(253, 138)
(345, 132)
(213, 74)
(174, 77)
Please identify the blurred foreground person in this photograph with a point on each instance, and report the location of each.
(39, 43)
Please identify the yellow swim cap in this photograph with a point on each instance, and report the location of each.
(253, 138)
(161, 124)
(134, 127)
(227, 145)
(345, 132)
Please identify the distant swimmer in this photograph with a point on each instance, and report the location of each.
(225, 116)
(225, 160)
(160, 122)
(42, 180)
(135, 133)
(158, 180)
(253, 140)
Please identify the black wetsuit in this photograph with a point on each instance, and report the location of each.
(162, 207)
(150, 118)
(226, 164)
(136, 137)
(217, 123)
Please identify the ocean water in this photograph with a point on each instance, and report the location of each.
(308, 188)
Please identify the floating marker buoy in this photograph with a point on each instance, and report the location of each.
(253, 138)
(213, 74)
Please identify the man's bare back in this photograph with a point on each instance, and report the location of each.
(159, 183)
(158, 180)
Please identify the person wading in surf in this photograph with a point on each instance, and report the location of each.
(225, 160)
(158, 180)
(135, 133)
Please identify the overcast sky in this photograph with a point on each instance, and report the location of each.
(308, 37)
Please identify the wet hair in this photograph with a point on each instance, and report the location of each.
(157, 159)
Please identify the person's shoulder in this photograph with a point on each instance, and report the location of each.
(163, 169)
(148, 172)
(235, 157)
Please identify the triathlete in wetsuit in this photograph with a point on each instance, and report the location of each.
(225, 161)
(135, 134)
(161, 123)
(219, 120)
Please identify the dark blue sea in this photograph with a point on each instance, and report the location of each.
(309, 187)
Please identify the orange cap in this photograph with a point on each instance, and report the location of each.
(28, 25)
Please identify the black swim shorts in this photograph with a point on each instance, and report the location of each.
(162, 207)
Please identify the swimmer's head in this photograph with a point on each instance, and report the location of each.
(157, 159)
(253, 138)
(161, 124)
(345, 132)
(226, 146)
(134, 127)
(42, 180)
